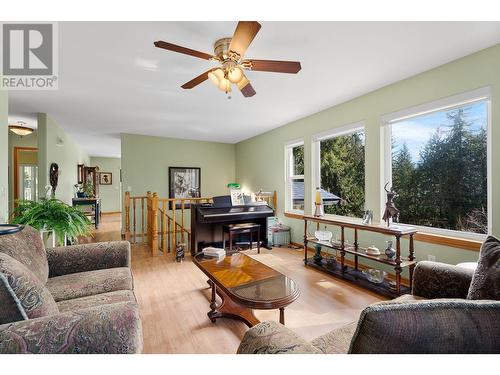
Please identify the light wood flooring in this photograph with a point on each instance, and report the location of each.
(174, 299)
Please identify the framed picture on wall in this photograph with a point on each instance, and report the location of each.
(105, 178)
(184, 182)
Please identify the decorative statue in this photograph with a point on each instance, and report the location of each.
(179, 252)
(391, 212)
(53, 177)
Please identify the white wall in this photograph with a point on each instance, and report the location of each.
(4, 157)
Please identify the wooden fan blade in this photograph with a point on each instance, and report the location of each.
(275, 66)
(184, 50)
(248, 90)
(243, 36)
(196, 81)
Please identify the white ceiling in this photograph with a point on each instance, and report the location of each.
(113, 80)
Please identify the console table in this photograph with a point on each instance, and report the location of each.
(96, 207)
(353, 274)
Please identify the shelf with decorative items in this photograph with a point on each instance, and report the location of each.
(332, 265)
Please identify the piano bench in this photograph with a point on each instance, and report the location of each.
(237, 229)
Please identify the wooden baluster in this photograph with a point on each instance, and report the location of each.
(275, 202)
(164, 232)
(397, 268)
(174, 228)
(182, 220)
(142, 219)
(134, 220)
(148, 218)
(342, 247)
(127, 216)
(356, 249)
(154, 224)
(411, 258)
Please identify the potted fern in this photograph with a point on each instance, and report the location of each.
(50, 214)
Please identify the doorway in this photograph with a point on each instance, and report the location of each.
(25, 173)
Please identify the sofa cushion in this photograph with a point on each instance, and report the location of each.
(89, 283)
(27, 247)
(336, 341)
(23, 295)
(97, 300)
(486, 279)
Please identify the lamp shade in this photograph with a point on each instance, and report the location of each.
(216, 76)
(235, 75)
(225, 85)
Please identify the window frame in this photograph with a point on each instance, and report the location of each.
(289, 146)
(316, 159)
(443, 104)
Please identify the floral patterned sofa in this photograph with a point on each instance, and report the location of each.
(436, 318)
(72, 299)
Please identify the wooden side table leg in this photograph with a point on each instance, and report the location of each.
(282, 315)
(251, 240)
(213, 303)
(230, 241)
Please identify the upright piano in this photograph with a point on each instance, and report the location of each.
(207, 220)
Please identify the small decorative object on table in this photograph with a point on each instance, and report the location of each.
(368, 217)
(214, 252)
(390, 252)
(375, 276)
(391, 212)
(319, 210)
(372, 250)
(179, 252)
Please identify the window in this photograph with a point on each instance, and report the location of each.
(439, 166)
(340, 170)
(294, 155)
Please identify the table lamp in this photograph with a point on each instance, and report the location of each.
(319, 210)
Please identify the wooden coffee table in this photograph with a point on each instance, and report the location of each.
(245, 284)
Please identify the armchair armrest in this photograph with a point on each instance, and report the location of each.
(88, 257)
(273, 338)
(437, 326)
(114, 328)
(440, 280)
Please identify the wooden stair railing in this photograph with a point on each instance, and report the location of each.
(162, 220)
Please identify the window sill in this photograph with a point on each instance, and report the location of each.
(434, 238)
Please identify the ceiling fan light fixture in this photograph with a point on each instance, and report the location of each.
(216, 76)
(235, 74)
(225, 85)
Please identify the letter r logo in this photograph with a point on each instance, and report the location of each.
(27, 49)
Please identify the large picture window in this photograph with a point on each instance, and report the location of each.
(439, 167)
(340, 170)
(294, 153)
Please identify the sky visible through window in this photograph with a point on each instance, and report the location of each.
(417, 131)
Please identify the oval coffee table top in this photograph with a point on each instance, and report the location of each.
(248, 281)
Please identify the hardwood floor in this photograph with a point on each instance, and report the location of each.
(174, 300)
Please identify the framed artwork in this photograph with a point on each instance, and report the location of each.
(80, 173)
(105, 178)
(184, 182)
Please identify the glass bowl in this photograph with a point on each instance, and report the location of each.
(323, 235)
(375, 276)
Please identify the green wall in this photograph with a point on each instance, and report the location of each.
(18, 141)
(110, 194)
(145, 162)
(55, 146)
(260, 160)
(4, 157)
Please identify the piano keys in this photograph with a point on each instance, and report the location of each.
(207, 221)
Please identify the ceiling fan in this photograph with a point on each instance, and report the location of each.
(229, 52)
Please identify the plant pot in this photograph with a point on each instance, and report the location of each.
(80, 194)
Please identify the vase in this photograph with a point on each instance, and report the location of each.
(390, 252)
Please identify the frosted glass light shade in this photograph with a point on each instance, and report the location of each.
(235, 75)
(225, 85)
(216, 76)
